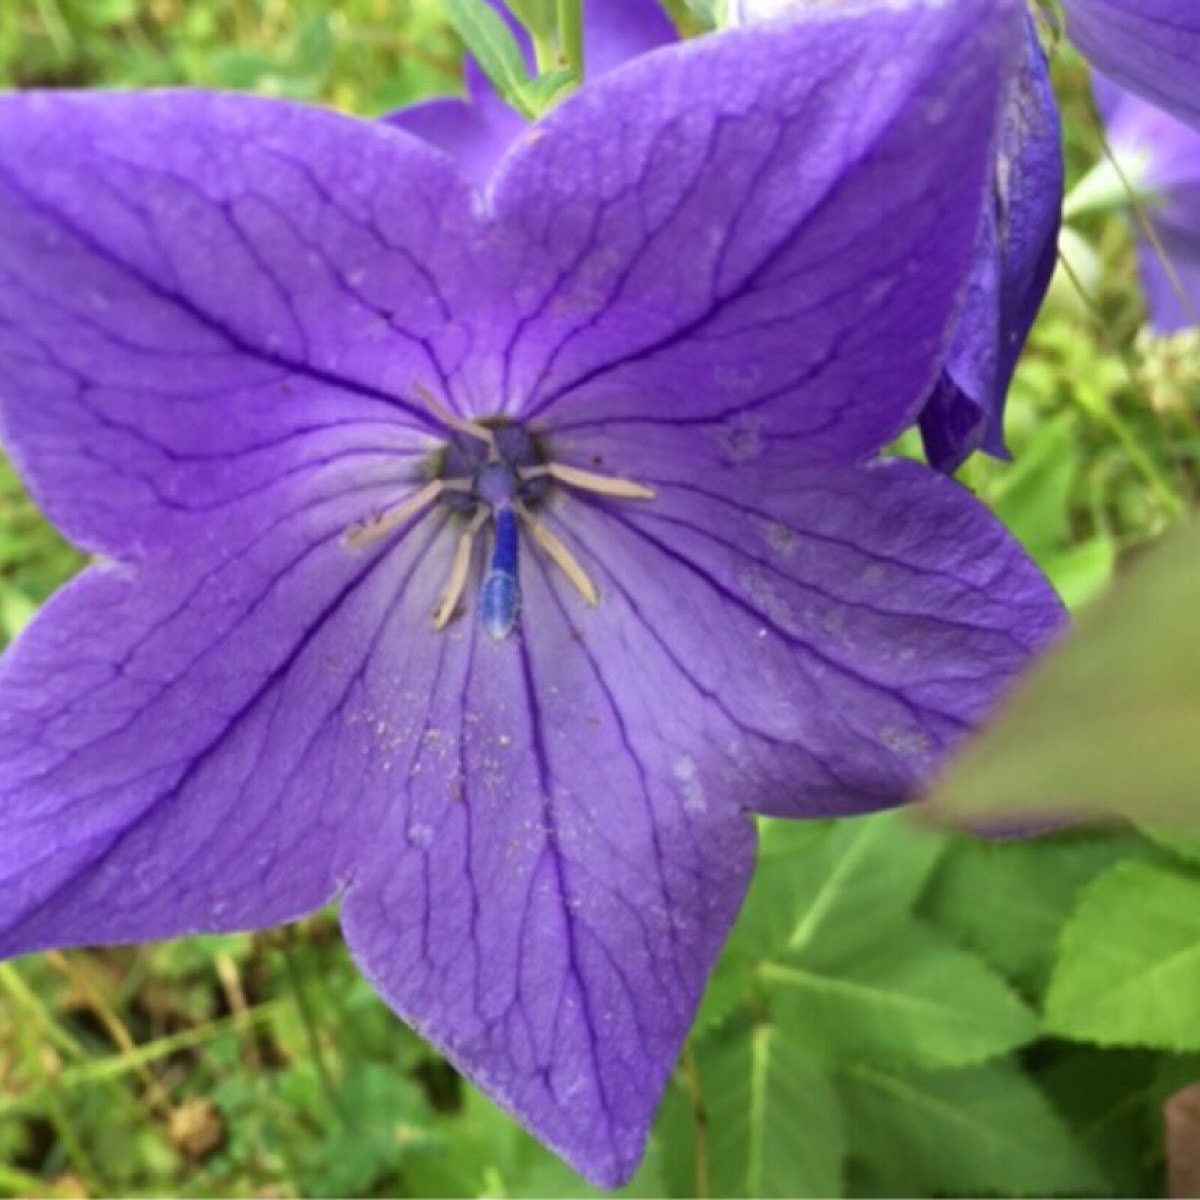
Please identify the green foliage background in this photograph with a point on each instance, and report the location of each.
(899, 1012)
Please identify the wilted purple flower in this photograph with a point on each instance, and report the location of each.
(302, 389)
(1151, 47)
(1159, 158)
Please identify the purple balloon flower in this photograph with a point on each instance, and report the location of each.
(479, 130)
(1151, 47)
(304, 391)
(1159, 157)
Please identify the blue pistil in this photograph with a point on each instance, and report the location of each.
(500, 594)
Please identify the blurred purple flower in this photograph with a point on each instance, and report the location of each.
(1151, 47)
(300, 387)
(1159, 158)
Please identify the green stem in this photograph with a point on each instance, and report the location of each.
(1105, 413)
(545, 52)
(300, 995)
(56, 1109)
(570, 34)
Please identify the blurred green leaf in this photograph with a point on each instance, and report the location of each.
(1183, 843)
(908, 997)
(1112, 1101)
(1033, 498)
(986, 1130)
(1129, 968)
(1107, 722)
(1081, 572)
(1009, 900)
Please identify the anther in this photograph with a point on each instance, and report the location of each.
(454, 421)
(591, 481)
(556, 549)
(366, 532)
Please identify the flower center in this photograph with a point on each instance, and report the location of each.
(497, 472)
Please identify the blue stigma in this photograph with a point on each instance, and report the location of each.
(500, 594)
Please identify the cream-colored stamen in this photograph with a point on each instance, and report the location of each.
(560, 555)
(454, 421)
(458, 572)
(366, 532)
(591, 481)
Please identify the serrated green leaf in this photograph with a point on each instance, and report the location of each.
(1110, 1101)
(774, 1121)
(1106, 722)
(982, 1130)
(833, 883)
(1128, 972)
(1183, 843)
(491, 43)
(909, 997)
(1009, 900)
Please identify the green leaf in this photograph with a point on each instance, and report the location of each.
(727, 988)
(1080, 573)
(982, 1130)
(538, 16)
(1009, 900)
(1034, 497)
(773, 1120)
(1129, 968)
(543, 91)
(833, 883)
(908, 997)
(1107, 722)
(1111, 1101)
(491, 43)
(1183, 843)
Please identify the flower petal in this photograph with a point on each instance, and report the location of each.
(757, 225)
(476, 133)
(199, 293)
(824, 636)
(1014, 261)
(1151, 47)
(618, 30)
(1172, 296)
(1159, 157)
(1158, 152)
(548, 894)
(192, 744)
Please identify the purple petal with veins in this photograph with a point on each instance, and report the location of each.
(1014, 261)
(1151, 47)
(306, 393)
(1160, 157)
